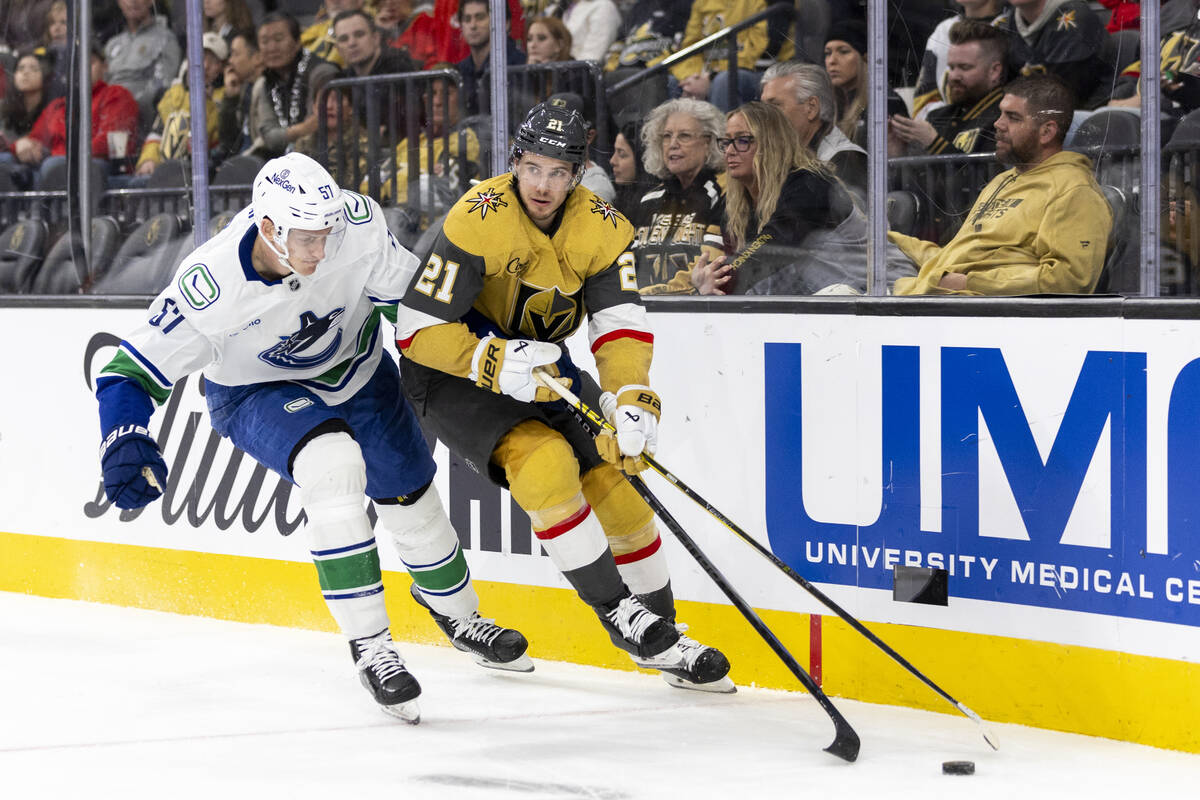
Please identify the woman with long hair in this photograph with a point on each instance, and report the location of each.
(547, 40)
(629, 176)
(680, 214)
(226, 17)
(846, 63)
(792, 225)
(28, 94)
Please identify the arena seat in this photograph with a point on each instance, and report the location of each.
(136, 264)
(903, 210)
(237, 171)
(22, 246)
(59, 273)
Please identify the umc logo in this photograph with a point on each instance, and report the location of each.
(986, 433)
(316, 342)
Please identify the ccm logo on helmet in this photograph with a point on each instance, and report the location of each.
(280, 179)
(555, 142)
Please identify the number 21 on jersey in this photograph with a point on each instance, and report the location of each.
(437, 279)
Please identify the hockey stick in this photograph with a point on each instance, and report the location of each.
(597, 420)
(846, 742)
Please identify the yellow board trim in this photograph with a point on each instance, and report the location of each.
(1134, 698)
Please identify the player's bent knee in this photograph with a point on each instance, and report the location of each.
(417, 523)
(540, 466)
(627, 520)
(330, 468)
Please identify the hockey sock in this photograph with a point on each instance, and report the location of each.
(331, 477)
(429, 548)
(632, 536)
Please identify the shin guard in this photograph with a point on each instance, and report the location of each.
(331, 478)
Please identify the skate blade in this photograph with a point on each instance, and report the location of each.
(719, 686)
(521, 663)
(408, 711)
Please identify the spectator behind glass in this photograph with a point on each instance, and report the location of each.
(452, 46)
(439, 183)
(594, 176)
(683, 212)
(474, 18)
(593, 25)
(547, 41)
(409, 25)
(793, 226)
(362, 49)
(1063, 38)
(1179, 60)
(1038, 228)
(974, 77)
(319, 38)
(804, 93)
(705, 76)
(170, 137)
(226, 17)
(242, 71)
(650, 30)
(629, 175)
(54, 48)
(846, 63)
(931, 80)
(24, 100)
(114, 111)
(282, 111)
(145, 56)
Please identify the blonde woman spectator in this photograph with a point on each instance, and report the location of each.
(684, 211)
(793, 226)
(593, 25)
(547, 41)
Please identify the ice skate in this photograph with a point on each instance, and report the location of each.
(691, 665)
(382, 672)
(490, 645)
(636, 629)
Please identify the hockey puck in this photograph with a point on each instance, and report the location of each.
(958, 767)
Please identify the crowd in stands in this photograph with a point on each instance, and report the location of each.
(747, 178)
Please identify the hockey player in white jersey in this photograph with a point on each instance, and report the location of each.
(282, 310)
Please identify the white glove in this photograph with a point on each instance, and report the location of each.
(505, 366)
(634, 412)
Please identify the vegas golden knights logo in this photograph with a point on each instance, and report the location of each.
(547, 315)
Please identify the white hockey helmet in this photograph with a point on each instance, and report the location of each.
(296, 192)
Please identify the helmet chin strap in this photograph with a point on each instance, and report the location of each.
(276, 245)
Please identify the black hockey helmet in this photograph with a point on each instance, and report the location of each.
(553, 129)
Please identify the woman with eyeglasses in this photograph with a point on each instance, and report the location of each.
(684, 211)
(793, 226)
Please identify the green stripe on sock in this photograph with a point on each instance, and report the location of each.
(444, 577)
(349, 572)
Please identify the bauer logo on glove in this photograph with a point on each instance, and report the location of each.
(505, 366)
(634, 412)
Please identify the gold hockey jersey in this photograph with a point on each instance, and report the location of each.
(492, 270)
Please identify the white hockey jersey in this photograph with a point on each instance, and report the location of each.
(322, 332)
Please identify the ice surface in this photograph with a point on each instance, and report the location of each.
(103, 702)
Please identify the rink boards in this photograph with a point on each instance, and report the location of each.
(1046, 456)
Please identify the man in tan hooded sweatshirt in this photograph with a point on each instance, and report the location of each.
(1038, 228)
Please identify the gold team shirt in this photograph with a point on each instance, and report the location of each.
(493, 270)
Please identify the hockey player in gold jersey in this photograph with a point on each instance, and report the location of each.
(519, 262)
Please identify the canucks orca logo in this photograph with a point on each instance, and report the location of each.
(315, 343)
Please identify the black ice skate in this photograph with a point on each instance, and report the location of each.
(691, 665)
(636, 629)
(490, 645)
(382, 672)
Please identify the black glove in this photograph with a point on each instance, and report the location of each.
(134, 470)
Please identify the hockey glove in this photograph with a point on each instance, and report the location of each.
(633, 411)
(505, 366)
(134, 470)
